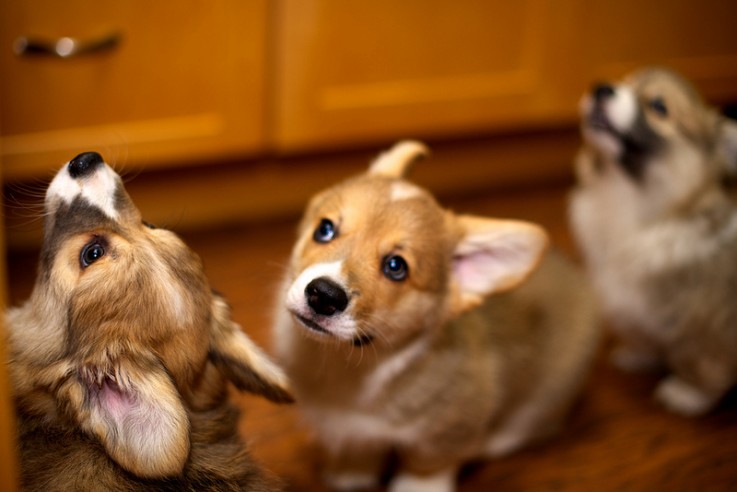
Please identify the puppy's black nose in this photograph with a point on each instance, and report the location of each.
(603, 91)
(84, 163)
(325, 296)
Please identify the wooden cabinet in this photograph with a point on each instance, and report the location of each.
(183, 82)
(194, 81)
(288, 91)
(352, 72)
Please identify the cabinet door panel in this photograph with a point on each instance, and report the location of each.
(184, 82)
(356, 71)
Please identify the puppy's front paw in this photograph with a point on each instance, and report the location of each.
(683, 398)
(350, 481)
(440, 482)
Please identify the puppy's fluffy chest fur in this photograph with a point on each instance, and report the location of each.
(638, 255)
(397, 397)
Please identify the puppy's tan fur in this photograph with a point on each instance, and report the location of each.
(120, 366)
(655, 217)
(426, 365)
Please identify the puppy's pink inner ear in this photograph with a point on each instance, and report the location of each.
(494, 256)
(117, 403)
(477, 272)
(139, 418)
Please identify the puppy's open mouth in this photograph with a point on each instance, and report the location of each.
(598, 120)
(358, 341)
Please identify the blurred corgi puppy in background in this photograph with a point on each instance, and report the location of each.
(121, 358)
(410, 330)
(655, 218)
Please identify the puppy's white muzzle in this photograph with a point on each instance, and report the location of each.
(87, 176)
(608, 112)
(323, 312)
(617, 104)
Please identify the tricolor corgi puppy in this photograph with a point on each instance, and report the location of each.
(655, 217)
(410, 330)
(121, 357)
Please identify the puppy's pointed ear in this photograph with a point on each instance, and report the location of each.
(395, 162)
(493, 256)
(244, 363)
(728, 145)
(134, 409)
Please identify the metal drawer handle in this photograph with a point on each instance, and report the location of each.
(64, 47)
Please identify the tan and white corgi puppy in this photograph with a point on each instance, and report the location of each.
(409, 329)
(121, 358)
(656, 221)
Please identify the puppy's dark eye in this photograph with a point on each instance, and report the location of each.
(395, 268)
(325, 231)
(658, 105)
(149, 225)
(91, 253)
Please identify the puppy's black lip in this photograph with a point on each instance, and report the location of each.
(359, 341)
(311, 324)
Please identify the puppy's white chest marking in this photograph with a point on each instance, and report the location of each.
(606, 215)
(98, 189)
(623, 246)
(389, 369)
(360, 420)
(341, 426)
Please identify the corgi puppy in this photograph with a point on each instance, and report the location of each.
(409, 330)
(121, 357)
(655, 218)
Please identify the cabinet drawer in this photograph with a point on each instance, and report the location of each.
(182, 81)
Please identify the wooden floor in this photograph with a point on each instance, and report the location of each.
(618, 439)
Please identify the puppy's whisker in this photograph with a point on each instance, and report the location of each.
(386, 327)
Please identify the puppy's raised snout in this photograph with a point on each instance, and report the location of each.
(602, 92)
(84, 164)
(325, 296)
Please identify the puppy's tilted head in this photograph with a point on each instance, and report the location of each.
(657, 129)
(379, 261)
(122, 331)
